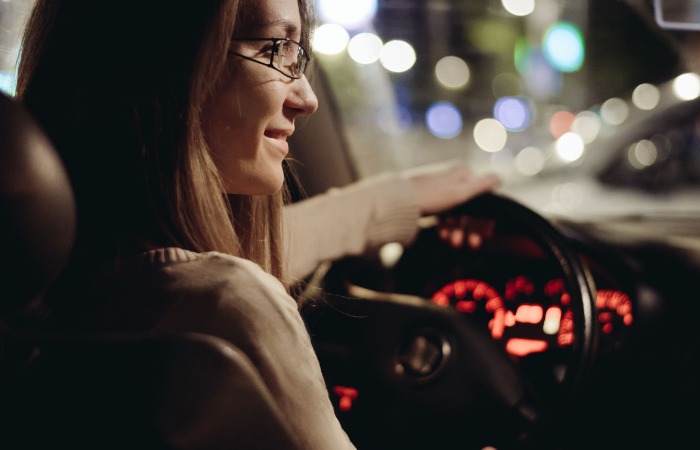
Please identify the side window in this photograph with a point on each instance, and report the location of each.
(13, 15)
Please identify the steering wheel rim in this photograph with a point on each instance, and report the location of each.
(388, 322)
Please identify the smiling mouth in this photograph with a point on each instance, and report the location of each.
(277, 135)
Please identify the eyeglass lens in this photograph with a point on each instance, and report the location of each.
(291, 58)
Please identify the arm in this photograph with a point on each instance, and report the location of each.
(348, 220)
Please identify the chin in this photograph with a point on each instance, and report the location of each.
(258, 186)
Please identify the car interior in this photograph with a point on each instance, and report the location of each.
(562, 331)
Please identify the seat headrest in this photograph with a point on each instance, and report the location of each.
(37, 209)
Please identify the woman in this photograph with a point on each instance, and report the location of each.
(172, 119)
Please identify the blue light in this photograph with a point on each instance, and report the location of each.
(513, 112)
(541, 80)
(563, 47)
(443, 120)
(8, 83)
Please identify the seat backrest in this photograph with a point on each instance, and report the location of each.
(37, 209)
(186, 391)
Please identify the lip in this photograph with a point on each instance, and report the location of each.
(279, 139)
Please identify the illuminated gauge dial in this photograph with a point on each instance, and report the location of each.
(476, 298)
(559, 318)
(614, 310)
(537, 317)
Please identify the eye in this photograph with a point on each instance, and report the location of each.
(268, 49)
(287, 47)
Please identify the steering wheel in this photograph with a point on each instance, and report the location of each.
(444, 346)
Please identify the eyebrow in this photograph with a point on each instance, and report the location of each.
(289, 27)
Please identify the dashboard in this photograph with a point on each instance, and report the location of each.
(587, 343)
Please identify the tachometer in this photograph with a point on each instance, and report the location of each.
(477, 298)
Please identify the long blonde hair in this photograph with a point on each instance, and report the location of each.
(120, 87)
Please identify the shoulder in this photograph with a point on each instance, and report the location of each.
(216, 288)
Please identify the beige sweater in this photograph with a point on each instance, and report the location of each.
(173, 290)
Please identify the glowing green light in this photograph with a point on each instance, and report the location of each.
(563, 47)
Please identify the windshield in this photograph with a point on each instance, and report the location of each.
(582, 107)
(591, 94)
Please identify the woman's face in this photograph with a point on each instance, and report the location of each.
(252, 112)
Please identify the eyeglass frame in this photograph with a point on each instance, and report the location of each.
(275, 51)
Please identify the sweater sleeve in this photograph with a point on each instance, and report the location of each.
(349, 220)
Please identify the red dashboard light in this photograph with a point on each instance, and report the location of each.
(614, 309)
(523, 347)
(347, 395)
(529, 314)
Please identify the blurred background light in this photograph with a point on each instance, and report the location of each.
(7, 83)
(351, 14)
(541, 80)
(687, 86)
(513, 112)
(330, 39)
(443, 120)
(452, 72)
(570, 147)
(587, 125)
(397, 56)
(560, 123)
(642, 154)
(614, 111)
(563, 47)
(646, 96)
(490, 135)
(529, 161)
(519, 7)
(502, 163)
(567, 196)
(365, 48)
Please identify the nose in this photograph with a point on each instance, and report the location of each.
(301, 97)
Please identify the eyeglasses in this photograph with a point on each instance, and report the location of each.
(287, 57)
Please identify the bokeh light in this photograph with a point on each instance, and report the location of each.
(560, 123)
(443, 120)
(563, 47)
(541, 80)
(529, 161)
(519, 7)
(687, 86)
(365, 48)
(646, 96)
(397, 56)
(513, 112)
(490, 135)
(614, 111)
(353, 14)
(570, 147)
(587, 125)
(330, 39)
(452, 72)
(642, 154)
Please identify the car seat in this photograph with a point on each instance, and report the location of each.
(185, 391)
